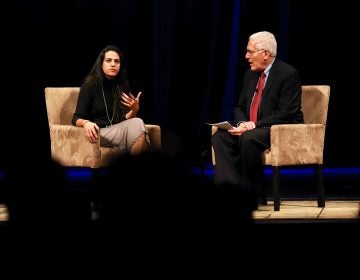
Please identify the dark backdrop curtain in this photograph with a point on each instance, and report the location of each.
(186, 56)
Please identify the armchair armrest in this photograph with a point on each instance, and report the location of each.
(70, 147)
(297, 144)
(213, 130)
(155, 136)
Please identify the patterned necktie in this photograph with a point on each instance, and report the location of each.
(257, 98)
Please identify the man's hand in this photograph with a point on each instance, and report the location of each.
(243, 127)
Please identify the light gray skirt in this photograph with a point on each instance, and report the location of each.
(123, 134)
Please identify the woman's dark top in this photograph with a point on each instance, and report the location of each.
(91, 105)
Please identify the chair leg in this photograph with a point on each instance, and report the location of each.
(276, 187)
(94, 196)
(320, 185)
(263, 196)
(263, 201)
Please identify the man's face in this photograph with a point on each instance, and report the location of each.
(257, 58)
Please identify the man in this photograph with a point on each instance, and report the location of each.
(271, 94)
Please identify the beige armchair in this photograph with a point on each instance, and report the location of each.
(69, 146)
(299, 144)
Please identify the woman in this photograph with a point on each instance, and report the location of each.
(106, 108)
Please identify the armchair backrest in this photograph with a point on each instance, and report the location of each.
(61, 104)
(314, 103)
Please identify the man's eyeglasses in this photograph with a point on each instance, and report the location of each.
(250, 52)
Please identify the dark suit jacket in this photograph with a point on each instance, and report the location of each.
(281, 97)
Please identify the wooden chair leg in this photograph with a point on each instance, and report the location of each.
(263, 200)
(94, 196)
(263, 196)
(276, 187)
(320, 185)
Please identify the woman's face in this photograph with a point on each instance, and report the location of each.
(111, 64)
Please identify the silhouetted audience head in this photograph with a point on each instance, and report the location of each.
(157, 197)
(39, 197)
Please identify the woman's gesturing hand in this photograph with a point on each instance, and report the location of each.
(130, 101)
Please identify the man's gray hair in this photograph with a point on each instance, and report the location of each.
(264, 40)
